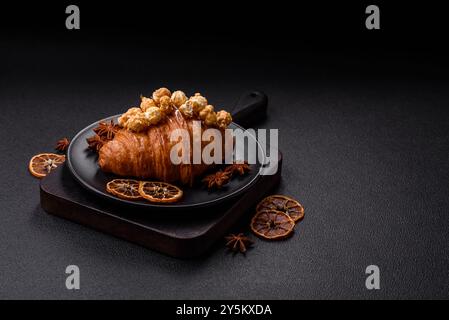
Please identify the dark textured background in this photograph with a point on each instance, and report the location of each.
(364, 134)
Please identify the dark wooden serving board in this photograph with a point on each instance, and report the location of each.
(180, 234)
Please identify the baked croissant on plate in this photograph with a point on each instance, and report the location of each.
(146, 154)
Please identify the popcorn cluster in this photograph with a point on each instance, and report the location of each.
(163, 102)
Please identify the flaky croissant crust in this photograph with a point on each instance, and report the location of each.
(147, 154)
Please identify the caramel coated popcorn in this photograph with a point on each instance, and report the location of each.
(198, 103)
(128, 114)
(223, 119)
(178, 98)
(163, 102)
(147, 103)
(186, 109)
(153, 115)
(159, 93)
(137, 122)
(211, 119)
(165, 105)
(208, 116)
(208, 109)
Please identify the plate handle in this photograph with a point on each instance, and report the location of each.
(250, 109)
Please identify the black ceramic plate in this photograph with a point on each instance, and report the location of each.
(83, 165)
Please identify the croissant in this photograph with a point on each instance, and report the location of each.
(147, 154)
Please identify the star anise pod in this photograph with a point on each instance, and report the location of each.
(106, 130)
(217, 179)
(95, 142)
(240, 168)
(62, 144)
(238, 242)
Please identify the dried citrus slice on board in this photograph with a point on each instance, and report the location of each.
(272, 224)
(282, 203)
(124, 188)
(162, 192)
(42, 164)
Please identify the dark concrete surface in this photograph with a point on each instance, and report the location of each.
(365, 144)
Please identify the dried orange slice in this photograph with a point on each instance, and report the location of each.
(162, 192)
(124, 188)
(42, 164)
(272, 224)
(282, 203)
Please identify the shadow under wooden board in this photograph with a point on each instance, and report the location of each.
(180, 234)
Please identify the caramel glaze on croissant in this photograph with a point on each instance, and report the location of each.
(147, 154)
